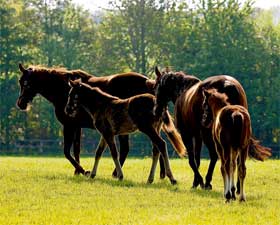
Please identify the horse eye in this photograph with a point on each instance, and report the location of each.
(76, 96)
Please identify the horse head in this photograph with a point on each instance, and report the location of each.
(73, 102)
(213, 101)
(28, 91)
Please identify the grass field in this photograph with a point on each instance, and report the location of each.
(45, 191)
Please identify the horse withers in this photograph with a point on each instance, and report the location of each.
(114, 116)
(231, 130)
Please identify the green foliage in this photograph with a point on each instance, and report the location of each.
(45, 191)
(207, 38)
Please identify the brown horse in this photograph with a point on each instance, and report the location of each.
(231, 132)
(114, 116)
(185, 92)
(52, 84)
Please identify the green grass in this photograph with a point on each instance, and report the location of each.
(45, 191)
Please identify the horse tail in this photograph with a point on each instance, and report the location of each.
(173, 134)
(257, 151)
(238, 129)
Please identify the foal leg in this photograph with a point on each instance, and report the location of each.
(161, 146)
(242, 173)
(100, 149)
(233, 169)
(115, 155)
(156, 156)
(124, 149)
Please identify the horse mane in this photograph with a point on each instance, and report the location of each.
(61, 72)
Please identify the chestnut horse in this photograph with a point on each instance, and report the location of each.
(231, 132)
(52, 84)
(185, 92)
(114, 116)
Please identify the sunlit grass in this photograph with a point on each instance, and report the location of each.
(45, 191)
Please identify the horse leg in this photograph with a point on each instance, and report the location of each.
(68, 133)
(124, 149)
(197, 150)
(209, 142)
(238, 180)
(198, 180)
(76, 148)
(156, 156)
(161, 146)
(114, 153)
(242, 173)
(100, 149)
(162, 168)
(233, 169)
(228, 174)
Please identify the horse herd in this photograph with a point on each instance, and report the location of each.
(213, 111)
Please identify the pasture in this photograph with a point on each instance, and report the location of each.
(41, 190)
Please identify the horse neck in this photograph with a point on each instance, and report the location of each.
(53, 88)
(93, 99)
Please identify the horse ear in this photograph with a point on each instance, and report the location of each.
(21, 68)
(71, 83)
(158, 73)
(205, 93)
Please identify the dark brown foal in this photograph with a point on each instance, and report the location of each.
(114, 116)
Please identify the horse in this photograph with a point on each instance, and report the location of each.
(114, 116)
(185, 91)
(52, 84)
(231, 131)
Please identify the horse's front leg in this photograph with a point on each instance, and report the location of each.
(154, 165)
(77, 148)
(114, 153)
(69, 133)
(100, 149)
(124, 149)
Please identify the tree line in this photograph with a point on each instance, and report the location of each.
(206, 38)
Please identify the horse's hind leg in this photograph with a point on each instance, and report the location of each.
(124, 149)
(188, 142)
(209, 142)
(100, 149)
(161, 146)
(242, 173)
(233, 169)
(154, 164)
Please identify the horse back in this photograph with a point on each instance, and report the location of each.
(228, 85)
(122, 85)
(233, 125)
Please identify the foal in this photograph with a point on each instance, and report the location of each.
(231, 132)
(114, 116)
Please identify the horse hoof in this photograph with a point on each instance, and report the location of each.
(92, 175)
(162, 175)
(76, 173)
(114, 174)
(121, 178)
(242, 200)
(87, 173)
(227, 201)
(208, 187)
(150, 181)
(173, 182)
